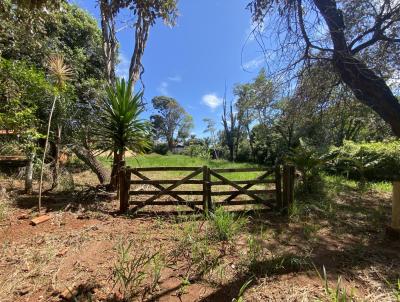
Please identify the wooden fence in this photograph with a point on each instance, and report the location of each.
(276, 194)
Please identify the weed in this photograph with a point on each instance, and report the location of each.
(395, 288)
(225, 225)
(309, 231)
(279, 265)
(129, 271)
(336, 294)
(185, 283)
(255, 248)
(242, 289)
(3, 211)
(203, 258)
(157, 264)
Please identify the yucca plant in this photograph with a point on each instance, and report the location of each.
(120, 126)
(59, 73)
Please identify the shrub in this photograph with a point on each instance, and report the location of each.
(310, 165)
(201, 151)
(372, 161)
(161, 149)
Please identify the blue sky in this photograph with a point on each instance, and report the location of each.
(192, 61)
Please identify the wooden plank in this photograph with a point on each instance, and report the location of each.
(220, 193)
(123, 187)
(229, 170)
(165, 193)
(239, 188)
(262, 176)
(172, 203)
(160, 187)
(243, 182)
(148, 169)
(168, 189)
(267, 202)
(205, 193)
(40, 219)
(165, 181)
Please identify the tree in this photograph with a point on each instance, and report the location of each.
(146, 13)
(185, 128)
(359, 38)
(120, 127)
(33, 34)
(23, 90)
(231, 128)
(170, 118)
(211, 129)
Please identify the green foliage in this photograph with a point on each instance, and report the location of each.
(242, 289)
(24, 91)
(336, 294)
(171, 120)
(120, 126)
(196, 150)
(366, 161)
(225, 225)
(161, 149)
(310, 165)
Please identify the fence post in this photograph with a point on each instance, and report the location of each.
(288, 187)
(278, 187)
(210, 206)
(205, 189)
(394, 229)
(123, 190)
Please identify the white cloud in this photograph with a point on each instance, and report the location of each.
(164, 85)
(122, 69)
(163, 88)
(176, 78)
(254, 63)
(211, 100)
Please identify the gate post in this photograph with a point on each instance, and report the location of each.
(288, 188)
(278, 187)
(207, 200)
(205, 189)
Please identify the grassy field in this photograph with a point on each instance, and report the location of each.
(176, 160)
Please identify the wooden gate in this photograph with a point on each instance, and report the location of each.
(271, 189)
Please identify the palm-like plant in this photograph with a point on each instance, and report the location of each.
(120, 126)
(60, 74)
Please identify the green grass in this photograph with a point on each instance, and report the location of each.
(176, 160)
(341, 183)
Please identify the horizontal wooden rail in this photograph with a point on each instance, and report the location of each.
(220, 193)
(144, 169)
(266, 202)
(244, 182)
(229, 170)
(165, 181)
(165, 193)
(170, 203)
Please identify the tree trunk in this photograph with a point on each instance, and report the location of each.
(89, 159)
(114, 171)
(170, 142)
(370, 89)
(29, 173)
(56, 162)
(366, 85)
